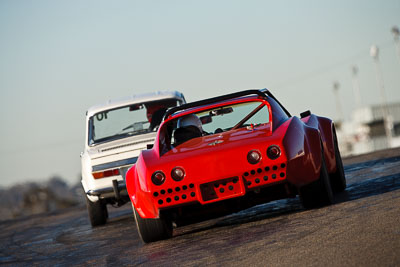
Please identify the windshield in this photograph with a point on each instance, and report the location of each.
(214, 121)
(127, 121)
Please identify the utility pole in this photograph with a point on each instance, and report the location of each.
(374, 52)
(396, 33)
(356, 87)
(339, 110)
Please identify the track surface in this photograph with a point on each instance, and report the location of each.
(361, 229)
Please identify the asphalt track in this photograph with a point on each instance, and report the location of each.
(361, 229)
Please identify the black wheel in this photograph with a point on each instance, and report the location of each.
(97, 211)
(318, 193)
(151, 230)
(338, 180)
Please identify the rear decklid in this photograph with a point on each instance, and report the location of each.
(119, 152)
(215, 156)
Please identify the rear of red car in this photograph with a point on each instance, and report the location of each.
(218, 156)
(211, 168)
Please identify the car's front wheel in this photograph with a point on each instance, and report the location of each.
(318, 193)
(151, 230)
(97, 211)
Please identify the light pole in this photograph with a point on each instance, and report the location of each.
(356, 86)
(339, 110)
(374, 52)
(396, 33)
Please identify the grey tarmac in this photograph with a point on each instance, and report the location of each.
(361, 229)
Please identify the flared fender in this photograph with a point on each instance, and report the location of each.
(136, 184)
(130, 182)
(303, 149)
(325, 127)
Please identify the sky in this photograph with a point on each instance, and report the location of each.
(58, 58)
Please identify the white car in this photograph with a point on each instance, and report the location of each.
(116, 132)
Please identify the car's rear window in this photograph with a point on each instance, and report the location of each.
(227, 121)
(213, 121)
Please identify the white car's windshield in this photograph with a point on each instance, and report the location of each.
(126, 121)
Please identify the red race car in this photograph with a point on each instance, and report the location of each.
(224, 154)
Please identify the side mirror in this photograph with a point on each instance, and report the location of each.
(150, 146)
(305, 114)
(135, 107)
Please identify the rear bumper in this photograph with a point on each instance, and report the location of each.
(212, 191)
(116, 191)
(196, 212)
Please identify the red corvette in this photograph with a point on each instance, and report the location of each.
(224, 154)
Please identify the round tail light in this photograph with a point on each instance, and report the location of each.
(273, 152)
(158, 178)
(178, 173)
(254, 156)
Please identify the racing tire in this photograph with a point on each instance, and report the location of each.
(97, 211)
(151, 230)
(318, 193)
(338, 179)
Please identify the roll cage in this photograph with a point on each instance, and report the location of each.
(263, 93)
(278, 112)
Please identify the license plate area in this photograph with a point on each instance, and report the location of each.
(222, 189)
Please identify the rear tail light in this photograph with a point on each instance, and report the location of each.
(178, 173)
(158, 178)
(254, 156)
(273, 152)
(104, 174)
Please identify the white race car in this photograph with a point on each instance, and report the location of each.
(116, 132)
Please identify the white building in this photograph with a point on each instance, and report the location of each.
(366, 130)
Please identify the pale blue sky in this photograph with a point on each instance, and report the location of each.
(57, 58)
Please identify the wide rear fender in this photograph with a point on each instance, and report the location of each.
(325, 127)
(303, 149)
(138, 190)
(130, 181)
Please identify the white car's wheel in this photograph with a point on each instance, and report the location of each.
(97, 211)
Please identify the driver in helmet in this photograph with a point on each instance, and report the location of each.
(188, 127)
